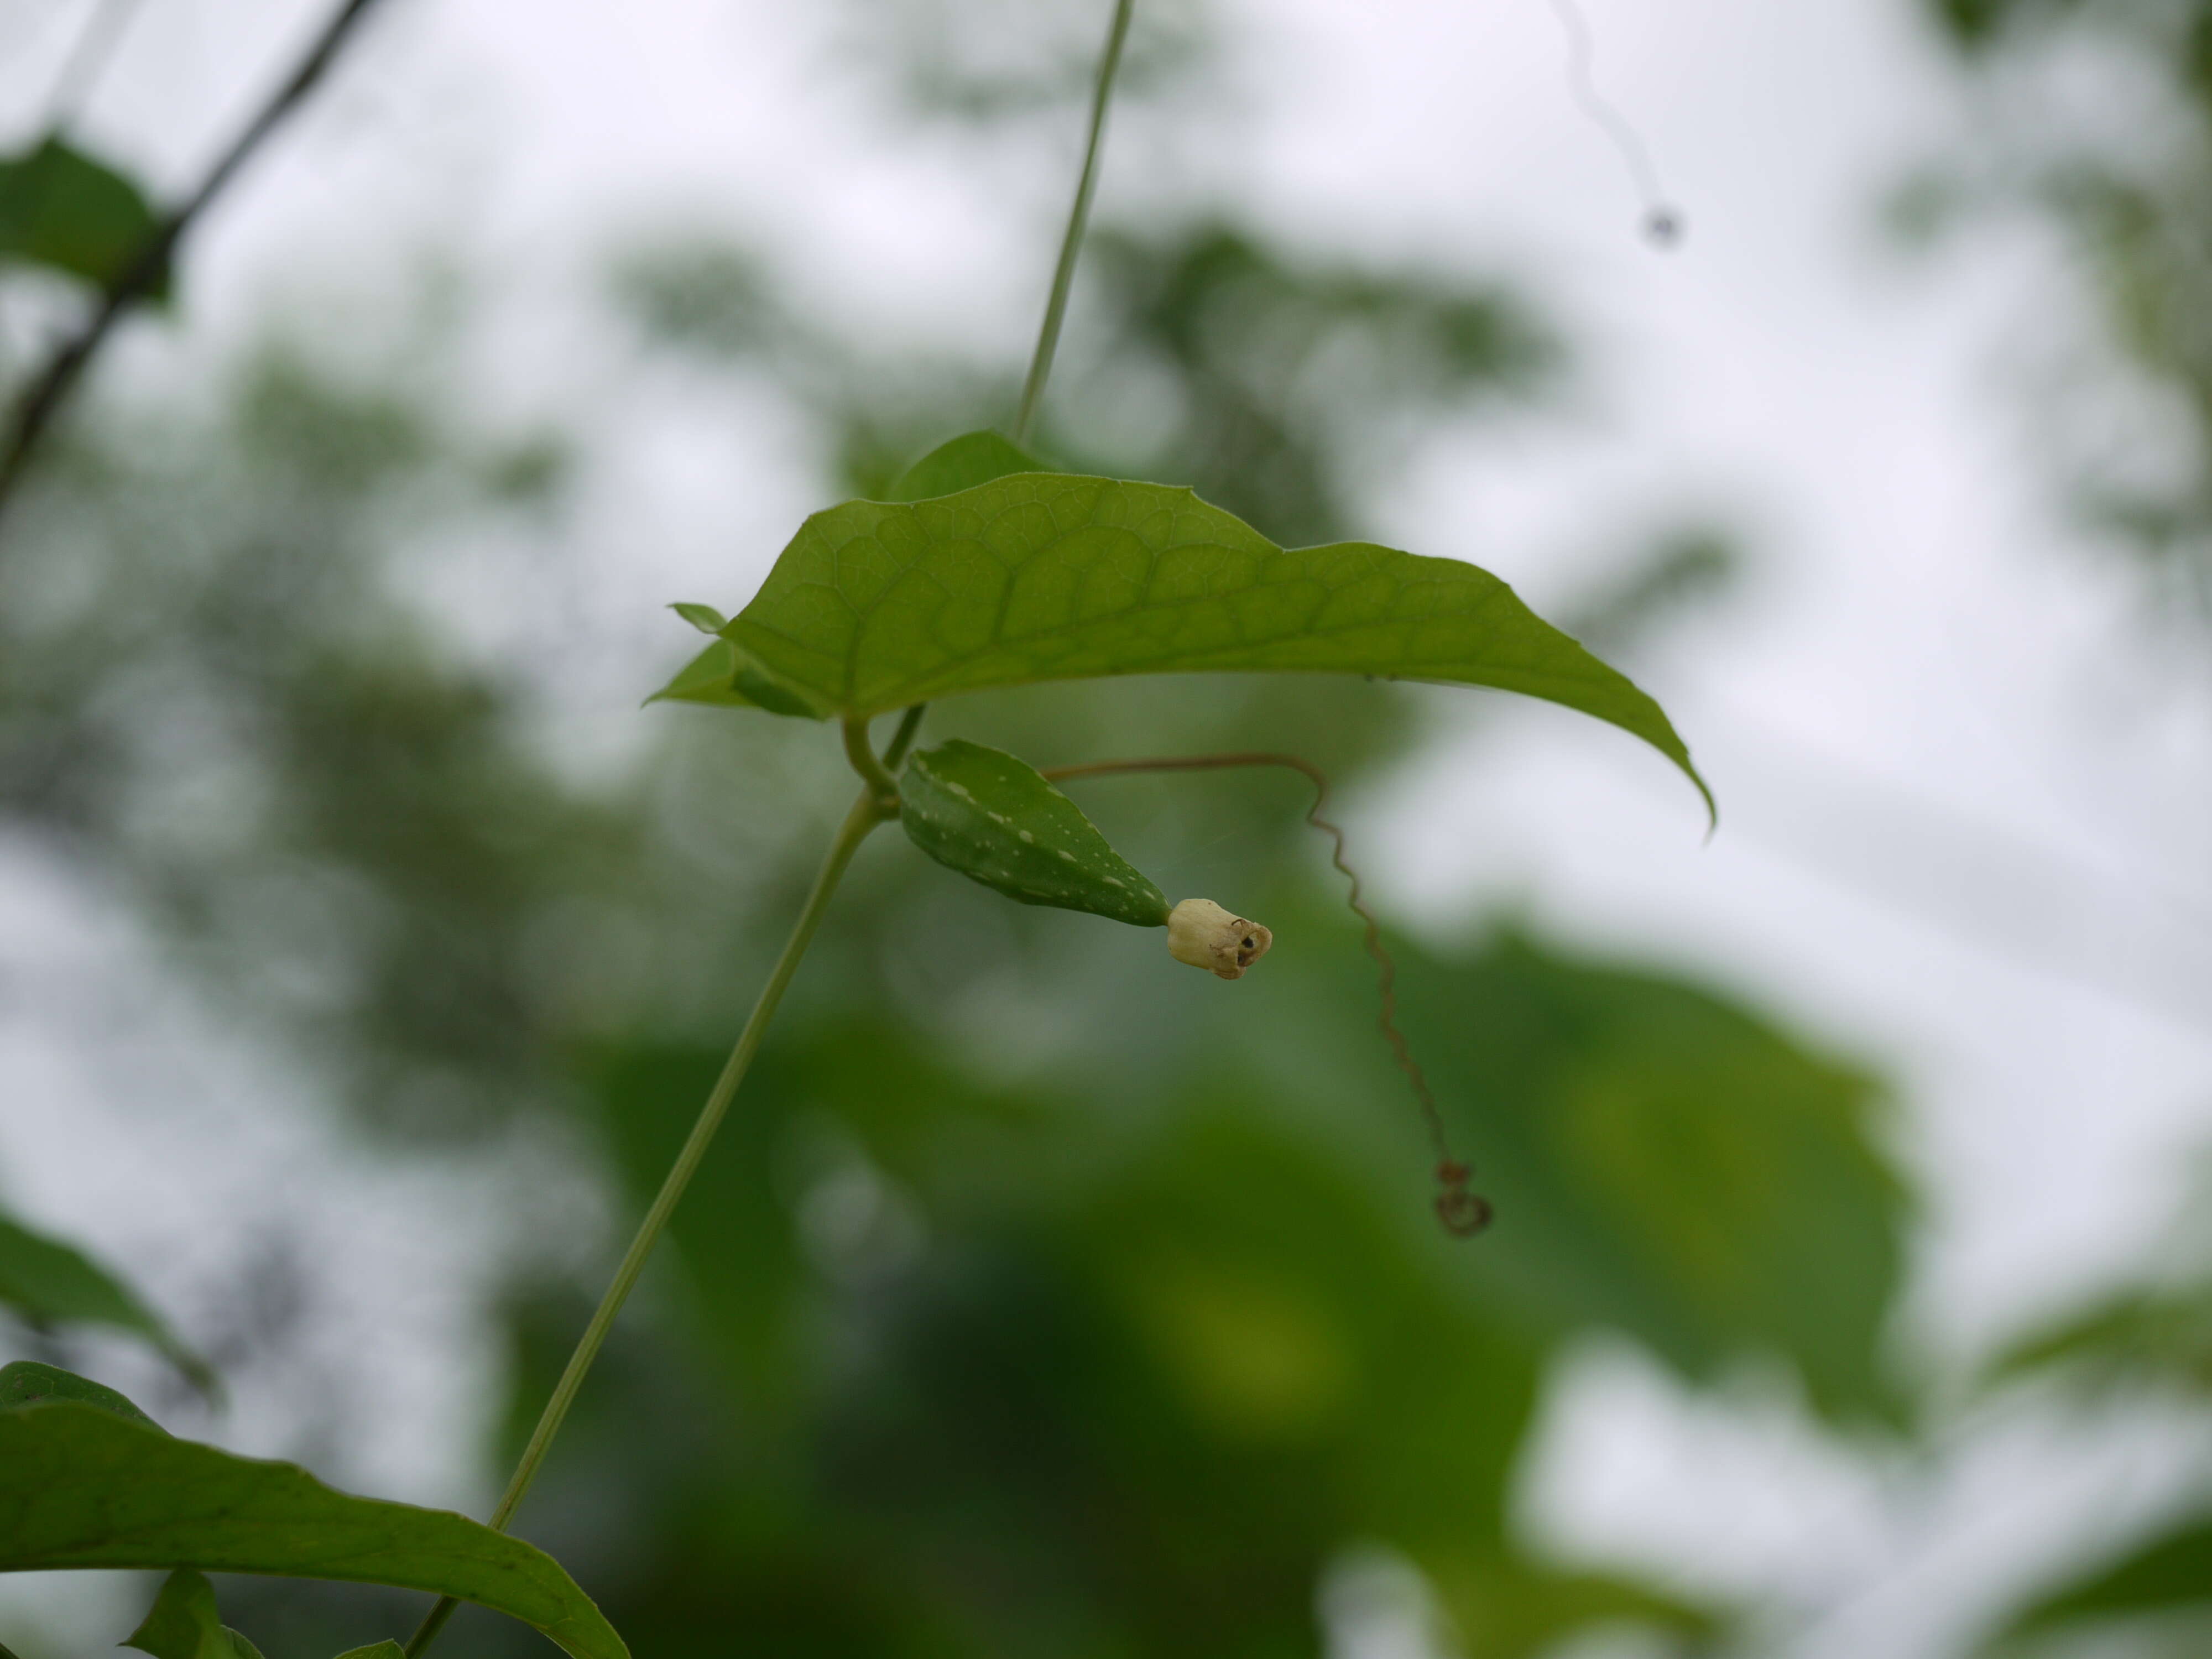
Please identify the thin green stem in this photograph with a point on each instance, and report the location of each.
(868, 812)
(903, 740)
(1079, 216)
(874, 773)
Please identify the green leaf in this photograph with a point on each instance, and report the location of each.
(376, 1651)
(1047, 577)
(962, 463)
(80, 1487)
(2168, 1575)
(61, 209)
(182, 1624)
(49, 1282)
(996, 821)
(704, 617)
(29, 1382)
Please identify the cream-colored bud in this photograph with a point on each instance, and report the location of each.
(1203, 935)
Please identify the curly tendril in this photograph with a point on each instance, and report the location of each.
(1463, 1211)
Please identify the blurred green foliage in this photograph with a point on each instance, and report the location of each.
(64, 211)
(45, 1282)
(2150, 1341)
(2129, 199)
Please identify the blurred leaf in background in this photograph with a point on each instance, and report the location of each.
(47, 1282)
(2143, 1345)
(64, 210)
(2132, 426)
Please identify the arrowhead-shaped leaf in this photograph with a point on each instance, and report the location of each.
(704, 617)
(1048, 576)
(48, 1281)
(85, 1487)
(182, 1624)
(995, 820)
(61, 209)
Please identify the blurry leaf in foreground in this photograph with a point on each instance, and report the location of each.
(1048, 576)
(182, 1624)
(376, 1651)
(63, 209)
(992, 819)
(85, 1487)
(29, 1382)
(2171, 1575)
(49, 1282)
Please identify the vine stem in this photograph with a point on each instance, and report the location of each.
(1079, 216)
(1463, 1213)
(869, 811)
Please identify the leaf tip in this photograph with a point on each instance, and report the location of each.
(704, 617)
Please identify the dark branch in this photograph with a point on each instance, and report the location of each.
(144, 272)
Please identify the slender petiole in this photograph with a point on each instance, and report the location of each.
(873, 772)
(1463, 1211)
(869, 811)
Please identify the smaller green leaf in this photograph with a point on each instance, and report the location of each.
(28, 1382)
(376, 1651)
(995, 820)
(182, 1624)
(972, 458)
(48, 1281)
(63, 209)
(704, 617)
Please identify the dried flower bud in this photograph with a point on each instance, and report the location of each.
(1203, 935)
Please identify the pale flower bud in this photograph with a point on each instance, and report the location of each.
(1203, 935)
